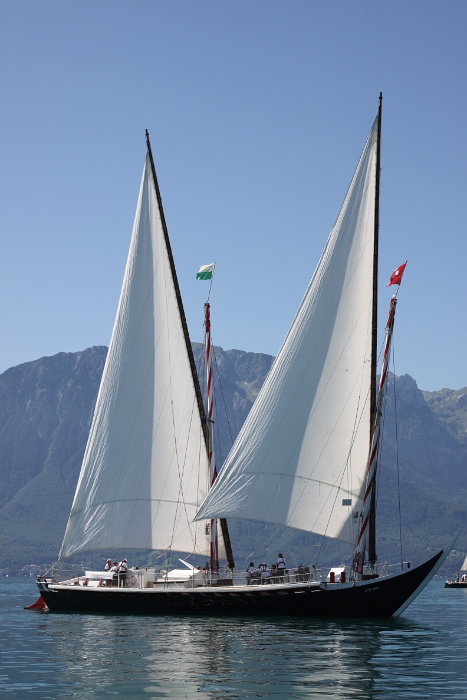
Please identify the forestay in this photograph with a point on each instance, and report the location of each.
(300, 457)
(145, 468)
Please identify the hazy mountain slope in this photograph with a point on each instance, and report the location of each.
(450, 407)
(45, 414)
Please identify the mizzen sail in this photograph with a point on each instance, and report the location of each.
(145, 469)
(300, 458)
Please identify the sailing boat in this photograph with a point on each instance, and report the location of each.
(460, 581)
(306, 456)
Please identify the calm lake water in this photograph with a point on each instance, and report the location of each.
(421, 655)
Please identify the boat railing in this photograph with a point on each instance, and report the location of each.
(152, 578)
(62, 575)
(300, 574)
(393, 568)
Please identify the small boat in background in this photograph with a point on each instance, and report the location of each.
(460, 581)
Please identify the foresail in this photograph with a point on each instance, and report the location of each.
(145, 468)
(300, 457)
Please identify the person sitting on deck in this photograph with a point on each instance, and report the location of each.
(265, 573)
(280, 565)
(250, 569)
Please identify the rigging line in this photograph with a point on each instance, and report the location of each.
(353, 439)
(198, 485)
(252, 539)
(200, 367)
(218, 454)
(222, 392)
(381, 436)
(160, 500)
(319, 550)
(335, 498)
(397, 453)
(218, 448)
(349, 468)
(180, 477)
(377, 361)
(168, 389)
(349, 458)
(332, 510)
(379, 458)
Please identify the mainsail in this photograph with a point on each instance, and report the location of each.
(301, 456)
(145, 469)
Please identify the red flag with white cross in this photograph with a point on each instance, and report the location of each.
(396, 277)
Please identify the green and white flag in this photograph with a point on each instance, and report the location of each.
(206, 272)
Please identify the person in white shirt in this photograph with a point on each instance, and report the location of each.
(122, 572)
(114, 570)
(280, 565)
(249, 572)
(108, 566)
(265, 573)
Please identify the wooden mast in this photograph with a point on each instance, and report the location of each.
(191, 358)
(372, 557)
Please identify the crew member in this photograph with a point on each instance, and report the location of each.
(249, 572)
(123, 571)
(280, 565)
(108, 566)
(114, 570)
(265, 572)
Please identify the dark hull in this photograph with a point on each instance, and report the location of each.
(455, 584)
(384, 597)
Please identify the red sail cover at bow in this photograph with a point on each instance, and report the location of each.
(396, 277)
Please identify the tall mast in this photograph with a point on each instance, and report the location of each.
(372, 465)
(189, 349)
(372, 557)
(213, 541)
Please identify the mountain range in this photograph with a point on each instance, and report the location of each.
(45, 414)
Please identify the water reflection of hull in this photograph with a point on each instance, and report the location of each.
(384, 597)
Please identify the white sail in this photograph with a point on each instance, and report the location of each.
(145, 468)
(301, 455)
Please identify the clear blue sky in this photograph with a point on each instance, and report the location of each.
(257, 113)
